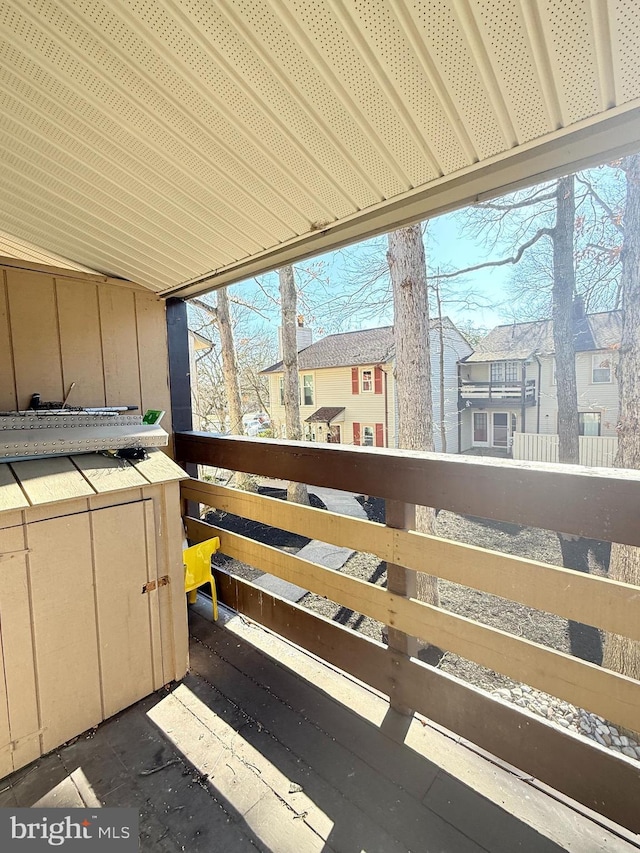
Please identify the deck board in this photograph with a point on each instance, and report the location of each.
(251, 718)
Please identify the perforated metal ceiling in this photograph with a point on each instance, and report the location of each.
(163, 140)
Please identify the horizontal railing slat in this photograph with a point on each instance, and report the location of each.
(595, 777)
(590, 599)
(613, 696)
(591, 502)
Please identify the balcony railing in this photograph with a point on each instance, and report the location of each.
(553, 497)
(483, 393)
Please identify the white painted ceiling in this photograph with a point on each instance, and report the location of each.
(177, 141)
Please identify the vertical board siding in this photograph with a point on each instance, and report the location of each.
(80, 341)
(64, 626)
(122, 609)
(152, 355)
(153, 599)
(35, 336)
(7, 375)
(111, 340)
(17, 646)
(120, 346)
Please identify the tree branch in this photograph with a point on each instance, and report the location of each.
(542, 232)
(614, 218)
(489, 205)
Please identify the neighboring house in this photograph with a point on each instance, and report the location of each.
(348, 392)
(508, 384)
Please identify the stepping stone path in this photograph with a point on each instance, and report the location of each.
(330, 556)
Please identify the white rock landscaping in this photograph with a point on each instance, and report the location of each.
(567, 716)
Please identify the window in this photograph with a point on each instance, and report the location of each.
(506, 371)
(367, 380)
(367, 434)
(282, 390)
(600, 368)
(554, 381)
(307, 390)
(589, 423)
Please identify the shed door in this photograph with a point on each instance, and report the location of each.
(96, 634)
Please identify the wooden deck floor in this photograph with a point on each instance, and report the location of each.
(264, 747)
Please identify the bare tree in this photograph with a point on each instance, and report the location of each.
(407, 267)
(229, 362)
(296, 492)
(621, 653)
(564, 284)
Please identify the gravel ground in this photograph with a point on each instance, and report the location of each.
(540, 627)
(535, 625)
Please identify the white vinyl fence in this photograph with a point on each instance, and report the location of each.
(598, 451)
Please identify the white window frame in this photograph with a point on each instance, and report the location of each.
(554, 378)
(363, 434)
(602, 358)
(597, 415)
(503, 371)
(303, 386)
(371, 380)
(281, 388)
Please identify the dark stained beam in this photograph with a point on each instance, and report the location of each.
(594, 502)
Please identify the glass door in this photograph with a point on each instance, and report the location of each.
(500, 429)
(480, 428)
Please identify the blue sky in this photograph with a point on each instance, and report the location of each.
(338, 271)
(329, 282)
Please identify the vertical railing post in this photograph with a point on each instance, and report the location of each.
(400, 581)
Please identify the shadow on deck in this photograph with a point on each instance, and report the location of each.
(265, 747)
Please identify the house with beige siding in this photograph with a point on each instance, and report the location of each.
(348, 392)
(508, 384)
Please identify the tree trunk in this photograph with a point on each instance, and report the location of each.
(229, 362)
(622, 654)
(584, 639)
(564, 285)
(443, 425)
(296, 492)
(231, 379)
(407, 267)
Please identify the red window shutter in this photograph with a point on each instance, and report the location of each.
(356, 433)
(379, 435)
(355, 380)
(377, 382)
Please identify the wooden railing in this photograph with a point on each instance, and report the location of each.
(515, 392)
(561, 498)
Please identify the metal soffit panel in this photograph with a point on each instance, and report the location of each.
(185, 144)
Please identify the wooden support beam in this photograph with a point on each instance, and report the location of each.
(564, 498)
(593, 776)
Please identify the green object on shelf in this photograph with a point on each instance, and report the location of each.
(153, 416)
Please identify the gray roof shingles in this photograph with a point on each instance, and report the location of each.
(368, 346)
(522, 340)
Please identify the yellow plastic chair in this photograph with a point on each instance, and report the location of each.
(197, 570)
